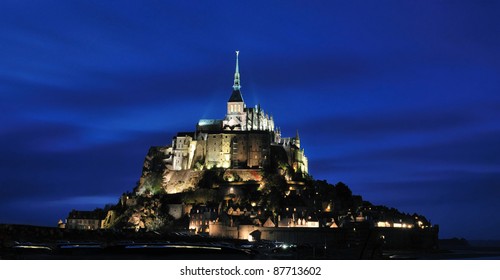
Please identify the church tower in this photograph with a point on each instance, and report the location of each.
(236, 116)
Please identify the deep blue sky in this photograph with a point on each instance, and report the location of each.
(398, 99)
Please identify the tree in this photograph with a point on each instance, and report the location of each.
(274, 191)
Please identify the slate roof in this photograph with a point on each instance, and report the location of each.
(236, 96)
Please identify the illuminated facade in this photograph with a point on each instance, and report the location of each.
(85, 220)
(243, 139)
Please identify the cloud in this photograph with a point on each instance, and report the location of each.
(445, 198)
(475, 151)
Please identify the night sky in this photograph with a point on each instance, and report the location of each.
(400, 100)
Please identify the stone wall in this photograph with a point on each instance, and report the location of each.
(392, 238)
(303, 236)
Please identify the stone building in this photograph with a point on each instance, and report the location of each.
(85, 220)
(243, 139)
(201, 216)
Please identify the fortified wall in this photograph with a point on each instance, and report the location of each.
(362, 235)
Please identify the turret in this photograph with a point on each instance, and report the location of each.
(297, 139)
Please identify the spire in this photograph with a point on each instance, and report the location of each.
(236, 95)
(297, 139)
(236, 85)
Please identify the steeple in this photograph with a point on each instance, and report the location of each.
(236, 85)
(236, 115)
(236, 95)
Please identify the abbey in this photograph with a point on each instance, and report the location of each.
(245, 138)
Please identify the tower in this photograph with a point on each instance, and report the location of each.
(236, 117)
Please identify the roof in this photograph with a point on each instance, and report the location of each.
(204, 122)
(236, 96)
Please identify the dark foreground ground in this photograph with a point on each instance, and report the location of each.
(454, 249)
(33, 243)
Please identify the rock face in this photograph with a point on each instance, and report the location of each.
(176, 181)
(158, 178)
(243, 175)
(151, 181)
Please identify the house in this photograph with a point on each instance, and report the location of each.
(85, 220)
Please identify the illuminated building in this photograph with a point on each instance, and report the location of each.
(85, 220)
(245, 138)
